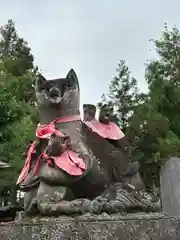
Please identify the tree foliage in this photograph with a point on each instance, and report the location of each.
(123, 94)
(152, 120)
(17, 111)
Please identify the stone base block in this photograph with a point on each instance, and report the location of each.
(133, 227)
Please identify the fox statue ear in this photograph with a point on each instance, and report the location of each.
(72, 75)
(40, 81)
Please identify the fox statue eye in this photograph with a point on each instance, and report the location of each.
(68, 85)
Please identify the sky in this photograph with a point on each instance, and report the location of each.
(90, 36)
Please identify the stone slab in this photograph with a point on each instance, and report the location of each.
(170, 187)
(141, 227)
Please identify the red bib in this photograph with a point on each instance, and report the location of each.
(110, 130)
(68, 161)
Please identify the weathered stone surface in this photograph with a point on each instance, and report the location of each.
(170, 186)
(89, 112)
(141, 227)
(89, 172)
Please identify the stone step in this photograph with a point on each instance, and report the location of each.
(131, 227)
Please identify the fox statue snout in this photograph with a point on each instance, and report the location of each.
(54, 95)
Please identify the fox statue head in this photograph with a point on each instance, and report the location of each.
(89, 112)
(58, 97)
(106, 114)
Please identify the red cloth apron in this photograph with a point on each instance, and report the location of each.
(68, 161)
(110, 130)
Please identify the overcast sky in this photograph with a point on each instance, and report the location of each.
(90, 36)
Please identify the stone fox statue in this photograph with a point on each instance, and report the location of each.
(89, 112)
(63, 163)
(106, 118)
(77, 171)
(107, 129)
(106, 124)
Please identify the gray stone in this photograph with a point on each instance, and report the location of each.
(170, 187)
(105, 164)
(133, 227)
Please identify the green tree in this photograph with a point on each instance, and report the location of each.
(146, 129)
(152, 120)
(14, 51)
(17, 111)
(163, 79)
(123, 95)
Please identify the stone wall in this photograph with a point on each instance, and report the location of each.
(141, 227)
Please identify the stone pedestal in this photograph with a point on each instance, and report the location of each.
(134, 227)
(170, 187)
